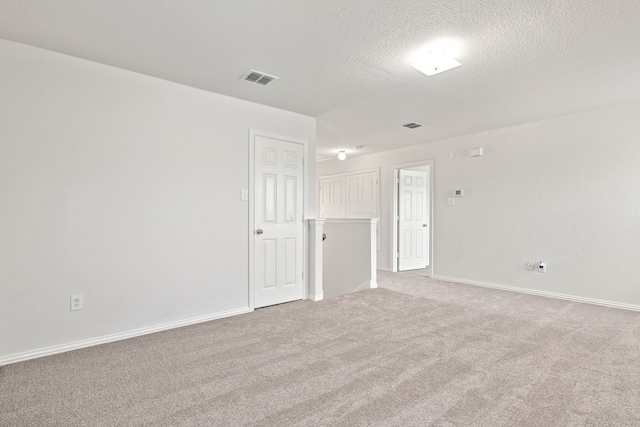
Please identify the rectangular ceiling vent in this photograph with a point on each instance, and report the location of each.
(259, 77)
(413, 125)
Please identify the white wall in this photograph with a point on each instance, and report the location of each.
(565, 190)
(123, 188)
(349, 256)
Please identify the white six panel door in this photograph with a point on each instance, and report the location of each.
(332, 198)
(362, 195)
(278, 260)
(413, 232)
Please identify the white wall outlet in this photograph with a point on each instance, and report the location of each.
(530, 265)
(76, 302)
(451, 201)
(542, 267)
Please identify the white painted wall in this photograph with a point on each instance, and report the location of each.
(123, 188)
(565, 190)
(349, 256)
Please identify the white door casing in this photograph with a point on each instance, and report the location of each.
(413, 233)
(278, 221)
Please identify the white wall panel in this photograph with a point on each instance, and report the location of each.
(117, 184)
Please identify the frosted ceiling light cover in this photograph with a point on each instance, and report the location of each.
(342, 155)
(434, 62)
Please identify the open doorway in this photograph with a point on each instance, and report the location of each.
(412, 243)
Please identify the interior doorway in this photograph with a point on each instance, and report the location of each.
(412, 243)
(276, 245)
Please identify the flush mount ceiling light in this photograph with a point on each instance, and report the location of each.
(342, 155)
(434, 62)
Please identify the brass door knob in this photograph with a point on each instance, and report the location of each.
(259, 231)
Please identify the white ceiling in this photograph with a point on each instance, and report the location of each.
(347, 62)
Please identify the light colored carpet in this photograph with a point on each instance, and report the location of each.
(417, 353)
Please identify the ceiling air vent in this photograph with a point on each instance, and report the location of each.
(412, 125)
(259, 77)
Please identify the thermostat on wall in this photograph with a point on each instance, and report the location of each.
(458, 193)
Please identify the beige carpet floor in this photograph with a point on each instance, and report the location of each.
(415, 353)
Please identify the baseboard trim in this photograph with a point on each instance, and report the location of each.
(316, 298)
(555, 295)
(48, 351)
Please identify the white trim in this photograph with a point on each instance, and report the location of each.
(541, 293)
(252, 226)
(315, 268)
(48, 351)
(335, 175)
(352, 220)
(395, 170)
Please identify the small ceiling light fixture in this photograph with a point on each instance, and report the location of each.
(434, 62)
(342, 155)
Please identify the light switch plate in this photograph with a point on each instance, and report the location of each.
(451, 201)
(244, 194)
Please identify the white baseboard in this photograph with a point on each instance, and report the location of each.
(316, 298)
(48, 351)
(541, 293)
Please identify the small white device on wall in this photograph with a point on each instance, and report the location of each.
(475, 152)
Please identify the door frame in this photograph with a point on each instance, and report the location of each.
(395, 170)
(252, 221)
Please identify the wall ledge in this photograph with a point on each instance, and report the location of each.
(555, 295)
(48, 351)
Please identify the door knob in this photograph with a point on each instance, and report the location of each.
(424, 225)
(259, 231)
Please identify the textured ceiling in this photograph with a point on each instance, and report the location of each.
(348, 62)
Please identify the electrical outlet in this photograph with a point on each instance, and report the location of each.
(530, 265)
(542, 267)
(76, 302)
